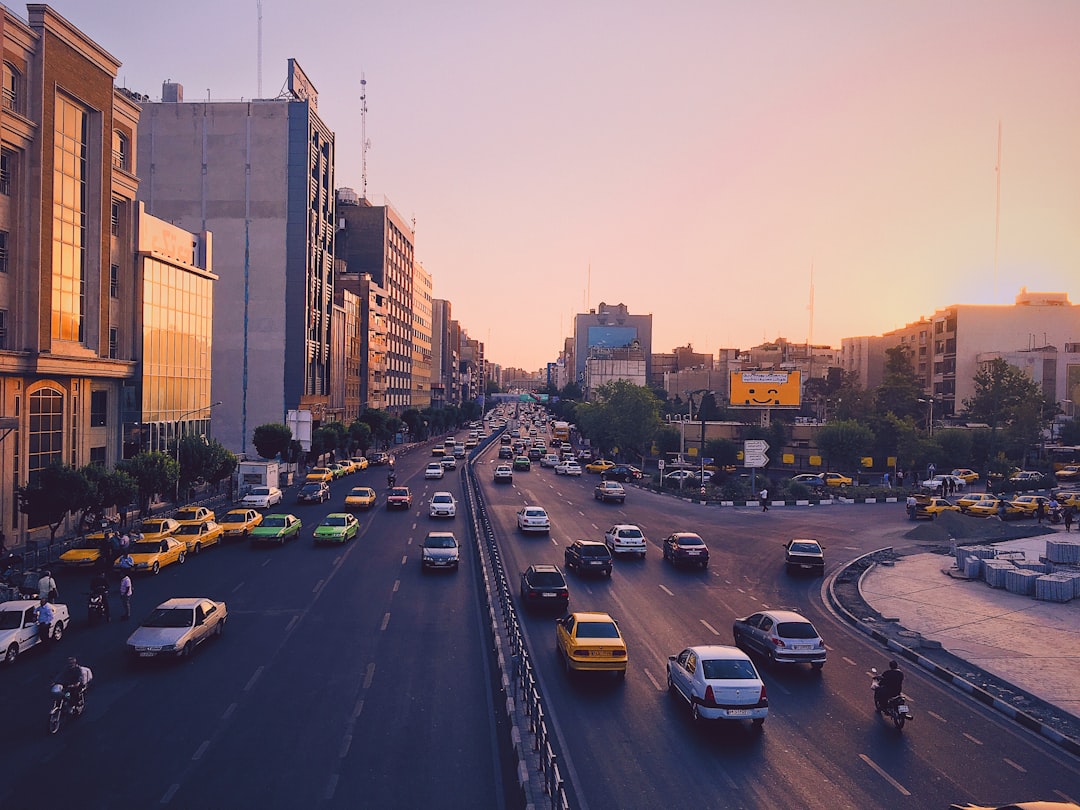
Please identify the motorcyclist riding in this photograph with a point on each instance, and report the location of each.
(75, 678)
(391, 479)
(890, 683)
(99, 587)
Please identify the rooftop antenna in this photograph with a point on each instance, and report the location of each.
(997, 209)
(810, 330)
(258, 67)
(365, 144)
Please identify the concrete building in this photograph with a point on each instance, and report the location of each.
(259, 174)
(865, 356)
(609, 365)
(374, 344)
(444, 357)
(421, 337)
(376, 240)
(610, 327)
(346, 343)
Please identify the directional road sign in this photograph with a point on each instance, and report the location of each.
(754, 452)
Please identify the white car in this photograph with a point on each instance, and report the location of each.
(568, 468)
(19, 628)
(177, 627)
(433, 470)
(549, 460)
(719, 683)
(440, 550)
(448, 463)
(934, 484)
(533, 519)
(262, 497)
(626, 538)
(443, 505)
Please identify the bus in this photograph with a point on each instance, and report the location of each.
(561, 431)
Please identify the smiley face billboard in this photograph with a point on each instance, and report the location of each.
(766, 389)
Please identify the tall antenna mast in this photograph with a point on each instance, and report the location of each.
(997, 209)
(810, 331)
(258, 68)
(365, 144)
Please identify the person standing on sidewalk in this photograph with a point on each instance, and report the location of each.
(47, 586)
(125, 596)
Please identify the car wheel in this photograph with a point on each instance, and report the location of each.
(182, 558)
(220, 629)
(11, 654)
(758, 722)
(737, 639)
(58, 631)
(156, 568)
(694, 713)
(670, 683)
(569, 670)
(198, 549)
(608, 573)
(704, 564)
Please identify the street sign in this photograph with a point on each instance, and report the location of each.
(660, 464)
(754, 452)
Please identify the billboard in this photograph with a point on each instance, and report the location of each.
(765, 389)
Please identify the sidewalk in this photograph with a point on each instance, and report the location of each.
(1033, 645)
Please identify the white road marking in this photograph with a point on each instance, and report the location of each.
(397, 584)
(255, 677)
(655, 682)
(937, 716)
(849, 661)
(331, 786)
(1065, 796)
(239, 585)
(292, 623)
(169, 794)
(709, 627)
(740, 590)
(265, 562)
(666, 590)
(385, 621)
(346, 743)
(318, 585)
(404, 559)
(973, 739)
(200, 750)
(881, 772)
(359, 708)
(229, 711)
(1012, 764)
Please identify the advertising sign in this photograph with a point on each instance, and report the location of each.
(766, 389)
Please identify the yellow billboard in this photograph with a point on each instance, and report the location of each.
(766, 389)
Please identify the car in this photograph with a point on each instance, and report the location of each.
(1068, 498)
(533, 519)
(687, 548)
(194, 514)
(378, 458)
(338, 470)
(534, 454)
(522, 464)
(337, 527)
(472, 441)
(544, 586)
(504, 474)
(587, 556)
(19, 627)
(239, 522)
(440, 550)
(433, 470)
(937, 483)
(681, 476)
(809, 479)
(320, 475)
(459, 451)
(626, 538)
(360, 462)
(442, 505)
(313, 492)
(504, 439)
(969, 476)
(276, 528)
(1035, 805)
(835, 479)
(549, 460)
(781, 636)
(1068, 474)
(934, 506)
(197, 536)
(176, 627)
(972, 498)
(448, 463)
(262, 497)
(360, 498)
(439, 452)
(998, 507)
(1026, 477)
(584, 455)
(590, 642)
(804, 555)
(153, 555)
(719, 683)
(1030, 504)
(624, 472)
(506, 451)
(84, 553)
(568, 467)
(156, 528)
(599, 466)
(609, 491)
(399, 498)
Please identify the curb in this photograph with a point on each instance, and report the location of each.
(981, 695)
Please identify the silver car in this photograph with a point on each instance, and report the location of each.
(719, 683)
(440, 550)
(626, 538)
(533, 519)
(262, 497)
(781, 636)
(177, 627)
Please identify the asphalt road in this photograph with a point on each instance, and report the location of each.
(346, 677)
(632, 745)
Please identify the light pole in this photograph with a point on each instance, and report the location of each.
(180, 419)
(701, 451)
(930, 420)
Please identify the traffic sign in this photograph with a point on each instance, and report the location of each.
(754, 452)
(660, 464)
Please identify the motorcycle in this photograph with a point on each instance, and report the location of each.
(66, 706)
(895, 708)
(1055, 515)
(96, 607)
(391, 479)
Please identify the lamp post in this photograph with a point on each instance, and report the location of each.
(701, 451)
(180, 419)
(930, 420)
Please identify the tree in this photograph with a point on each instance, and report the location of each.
(492, 387)
(1070, 432)
(901, 389)
(844, 443)
(624, 415)
(723, 452)
(58, 490)
(1005, 397)
(271, 439)
(571, 390)
(667, 440)
(154, 473)
(117, 489)
(415, 422)
(360, 436)
(378, 421)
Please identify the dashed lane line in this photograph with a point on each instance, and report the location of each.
(1012, 764)
(200, 750)
(655, 682)
(251, 681)
(973, 739)
(709, 627)
(385, 621)
(239, 585)
(666, 590)
(936, 716)
(881, 772)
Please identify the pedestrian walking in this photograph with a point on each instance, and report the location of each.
(900, 478)
(763, 497)
(1040, 511)
(885, 481)
(125, 596)
(45, 615)
(46, 587)
(1068, 517)
(912, 505)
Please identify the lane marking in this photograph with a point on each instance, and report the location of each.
(385, 621)
(229, 711)
(359, 708)
(331, 786)
(292, 623)
(1065, 796)
(665, 590)
(254, 678)
(881, 772)
(367, 677)
(781, 688)
(655, 683)
(239, 585)
(936, 716)
(845, 658)
(740, 590)
(346, 743)
(200, 750)
(1012, 764)
(169, 794)
(709, 627)
(404, 559)
(397, 584)
(265, 562)
(973, 739)
(318, 586)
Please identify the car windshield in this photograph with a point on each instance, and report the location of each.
(187, 514)
(728, 670)
(260, 491)
(145, 548)
(442, 499)
(170, 617)
(154, 527)
(335, 521)
(535, 513)
(690, 540)
(360, 492)
(234, 517)
(806, 548)
(796, 630)
(311, 488)
(595, 551)
(399, 492)
(436, 541)
(630, 534)
(546, 578)
(191, 528)
(597, 630)
(11, 619)
(274, 523)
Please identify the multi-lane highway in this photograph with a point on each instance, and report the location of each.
(348, 678)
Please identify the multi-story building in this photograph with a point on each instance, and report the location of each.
(346, 343)
(422, 338)
(376, 240)
(374, 345)
(610, 327)
(259, 174)
(866, 357)
(444, 357)
(473, 373)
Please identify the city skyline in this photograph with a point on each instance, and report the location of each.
(701, 167)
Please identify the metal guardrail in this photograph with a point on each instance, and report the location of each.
(518, 670)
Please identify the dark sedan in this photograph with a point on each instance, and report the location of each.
(804, 556)
(588, 555)
(624, 473)
(544, 585)
(686, 548)
(313, 492)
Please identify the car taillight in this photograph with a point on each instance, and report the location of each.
(762, 697)
(709, 695)
(777, 642)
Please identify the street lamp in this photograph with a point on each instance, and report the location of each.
(180, 419)
(701, 451)
(930, 421)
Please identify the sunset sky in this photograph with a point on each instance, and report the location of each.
(693, 160)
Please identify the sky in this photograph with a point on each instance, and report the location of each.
(718, 164)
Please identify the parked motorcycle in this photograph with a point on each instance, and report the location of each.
(895, 708)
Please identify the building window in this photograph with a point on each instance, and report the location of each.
(46, 434)
(9, 93)
(120, 150)
(97, 456)
(7, 163)
(114, 220)
(114, 280)
(3, 252)
(99, 408)
(3, 328)
(114, 349)
(70, 232)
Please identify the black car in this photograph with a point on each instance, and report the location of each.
(686, 548)
(588, 555)
(624, 473)
(313, 492)
(535, 454)
(506, 451)
(544, 585)
(804, 556)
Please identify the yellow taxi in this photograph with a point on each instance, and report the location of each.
(83, 554)
(1068, 498)
(601, 465)
(153, 555)
(321, 475)
(438, 451)
(968, 476)
(197, 536)
(590, 641)
(934, 507)
(835, 479)
(973, 498)
(156, 528)
(239, 522)
(1030, 504)
(360, 462)
(360, 498)
(993, 507)
(193, 514)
